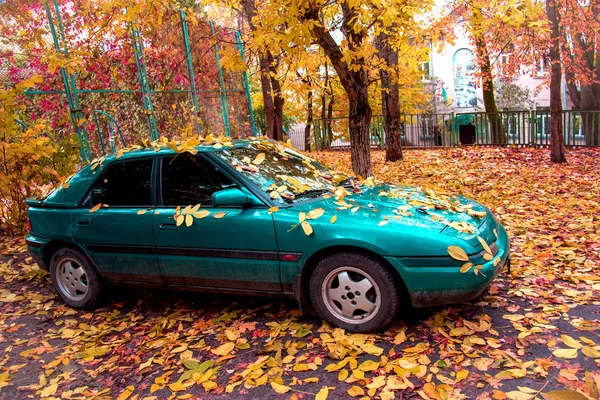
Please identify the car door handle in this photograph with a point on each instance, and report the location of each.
(83, 222)
(167, 224)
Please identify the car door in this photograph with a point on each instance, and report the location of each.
(237, 251)
(118, 235)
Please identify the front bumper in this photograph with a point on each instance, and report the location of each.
(433, 285)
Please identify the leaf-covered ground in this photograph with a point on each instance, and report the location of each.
(533, 332)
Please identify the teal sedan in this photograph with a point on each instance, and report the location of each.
(256, 217)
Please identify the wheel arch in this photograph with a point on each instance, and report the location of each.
(53, 246)
(302, 293)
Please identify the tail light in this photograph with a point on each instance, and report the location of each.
(29, 227)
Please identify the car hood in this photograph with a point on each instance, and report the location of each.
(405, 205)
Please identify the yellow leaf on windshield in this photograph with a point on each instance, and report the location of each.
(259, 159)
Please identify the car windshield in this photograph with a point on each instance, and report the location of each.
(286, 175)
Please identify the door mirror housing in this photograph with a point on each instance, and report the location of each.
(234, 197)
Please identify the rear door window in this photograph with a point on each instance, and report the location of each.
(125, 184)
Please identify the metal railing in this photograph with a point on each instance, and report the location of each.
(519, 128)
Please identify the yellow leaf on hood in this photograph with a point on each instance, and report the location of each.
(457, 253)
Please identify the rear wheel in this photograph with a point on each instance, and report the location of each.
(355, 292)
(75, 279)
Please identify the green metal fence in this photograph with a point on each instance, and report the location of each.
(519, 128)
(157, 82)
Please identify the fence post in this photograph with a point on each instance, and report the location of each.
(223, 93)
(452, 126)
(190, 67)
(246, 83)
(69, 84)
(138, 49)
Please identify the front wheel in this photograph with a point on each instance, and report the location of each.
(355, 292)
(75, 279)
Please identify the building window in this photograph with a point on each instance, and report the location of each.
(464, 79)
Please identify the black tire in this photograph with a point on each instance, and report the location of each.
(371, 311)
(75, 279)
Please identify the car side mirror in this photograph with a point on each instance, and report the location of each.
(234, 197)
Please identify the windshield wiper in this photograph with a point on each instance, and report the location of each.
(310, 193)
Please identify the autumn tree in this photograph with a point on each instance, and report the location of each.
(579, 27)
(345, 31)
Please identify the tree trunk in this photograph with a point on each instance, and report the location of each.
(269, 84)
(355, 82)
(589, 121)
(390, 99)
(278, 100)
(360, 126)
(309, 120)
(265, 84)
(557, 140)
(487, 82)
